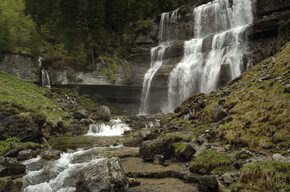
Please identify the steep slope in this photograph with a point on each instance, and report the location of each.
(238, 134)
(29, 112)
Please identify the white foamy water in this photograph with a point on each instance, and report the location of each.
(165, 37)
(57, 176)
(110, 129)
(218, 52)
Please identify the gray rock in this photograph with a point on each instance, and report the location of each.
(105, 176)
(135, 142)
(150, 148)
(25, 154)
(187, 152)
(9, 184)
(81, 114)
(104, 113)
(10, 166)
(218, 113)
(202, 138)
(157, 124)
(278, 157)
(186, 117)
(144, 133)
(86, 121)
(158, 159)
(228, 179)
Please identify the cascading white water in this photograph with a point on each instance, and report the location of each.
(59, 175)
(45, 80)
(110, 129)
(220, 43)
(157, 53)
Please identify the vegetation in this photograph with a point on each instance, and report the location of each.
(78, 29)
(6, 145)
(208, 161)
(16, 95)
(264, 176)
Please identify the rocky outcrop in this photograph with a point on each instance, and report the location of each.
(22, 66)
(105, 176)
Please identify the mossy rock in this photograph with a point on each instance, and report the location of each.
(178, 148)
(209, 160)
(264, 176)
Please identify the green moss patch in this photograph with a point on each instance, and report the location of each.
(178, 148)
(6, 145)
(208, 161)
(264, 176)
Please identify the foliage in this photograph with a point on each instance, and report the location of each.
(18, 28)
(110, 66)
(264, 176)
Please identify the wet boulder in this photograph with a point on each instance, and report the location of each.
(104, 113)
(105, 176)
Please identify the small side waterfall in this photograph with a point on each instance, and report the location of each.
(110, 129)
(218, 52)
(45, 80)
(157, 54)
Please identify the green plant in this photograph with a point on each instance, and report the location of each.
(209, 160)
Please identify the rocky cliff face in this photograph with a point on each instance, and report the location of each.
(267, 37)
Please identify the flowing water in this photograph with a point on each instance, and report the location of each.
(110, 129)
(45, 80)
(218, 52)
(62, 175)
(166, 37)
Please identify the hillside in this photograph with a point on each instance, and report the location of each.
(30, 112)
(240, 133)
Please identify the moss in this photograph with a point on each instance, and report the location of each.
(6, 145)
(48, 157)
(173, 137)
(201, 128)
(68, 134)
(209, 160)
(178, 148)
(264, 176)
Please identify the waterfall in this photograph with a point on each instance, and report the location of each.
(113, 128)
(45, 80)
(165, 39)
(218, 52)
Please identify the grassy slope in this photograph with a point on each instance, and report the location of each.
(257, 105)
(15, 92)
(258, 111)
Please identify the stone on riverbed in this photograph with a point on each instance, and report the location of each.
(105, 176)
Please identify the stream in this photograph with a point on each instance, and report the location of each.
(61, 175)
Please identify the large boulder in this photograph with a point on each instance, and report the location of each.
(105, 176)
(151, 148)
(218, 113)
(104, 113)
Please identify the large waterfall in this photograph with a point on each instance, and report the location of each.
(157, 53)
(217, 53)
